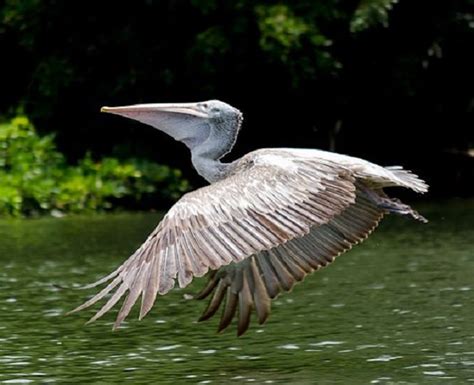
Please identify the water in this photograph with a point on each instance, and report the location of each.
(397, 309)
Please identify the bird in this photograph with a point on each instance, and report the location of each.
(263, 223)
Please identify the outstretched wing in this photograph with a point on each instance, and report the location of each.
(270, 198)
(254, 282)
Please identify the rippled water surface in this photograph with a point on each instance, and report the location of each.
(397, 309)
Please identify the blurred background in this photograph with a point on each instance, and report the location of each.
(390, 81)
(386, 80)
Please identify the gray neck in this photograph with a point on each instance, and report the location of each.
(210, 169)
(206, 155)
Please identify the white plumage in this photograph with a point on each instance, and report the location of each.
(265, 221)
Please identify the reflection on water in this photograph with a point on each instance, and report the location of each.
(398, 309)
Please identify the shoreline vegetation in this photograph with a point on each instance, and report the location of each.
(35, 178)
(383, 80)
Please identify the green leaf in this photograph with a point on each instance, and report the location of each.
(35, 178)
(370, 13)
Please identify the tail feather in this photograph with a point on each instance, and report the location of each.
(408, 179)
(396, 206)
(392, 205)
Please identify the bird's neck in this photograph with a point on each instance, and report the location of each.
(206, 155)
(210, 169)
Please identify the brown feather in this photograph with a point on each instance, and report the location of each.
(260, 296)
(229, 309)
(277, 216)
(245, 306)
(215, 301)
(258, 279)
(212, 282)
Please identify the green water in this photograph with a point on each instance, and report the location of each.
(397, 309)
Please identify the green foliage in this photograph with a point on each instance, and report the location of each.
(370, 13)
(280, 30)
(305, 66)
(295, 42)
(35, 178)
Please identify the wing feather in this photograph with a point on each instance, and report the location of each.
(216, 300)
(272, 283)
(278, 269)
(151, 288)
(260, 295)
(245, 305)
(229, 309)
(270, 198)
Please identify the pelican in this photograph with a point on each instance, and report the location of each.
(263, 223)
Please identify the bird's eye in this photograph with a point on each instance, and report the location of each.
(205, 105)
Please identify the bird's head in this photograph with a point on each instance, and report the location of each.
(213, 122)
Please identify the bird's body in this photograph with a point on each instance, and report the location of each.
(266, 220)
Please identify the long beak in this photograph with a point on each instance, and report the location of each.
(185, 122)
(138, 111)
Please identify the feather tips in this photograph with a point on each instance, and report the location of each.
(274, 219)
(252, 283)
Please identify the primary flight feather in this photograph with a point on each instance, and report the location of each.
(265, 221)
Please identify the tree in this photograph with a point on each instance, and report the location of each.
(342, 72)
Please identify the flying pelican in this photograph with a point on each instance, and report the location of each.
(265, 221)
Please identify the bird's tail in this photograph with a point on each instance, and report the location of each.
(392, 205)
(408, 179)
(396, 206)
